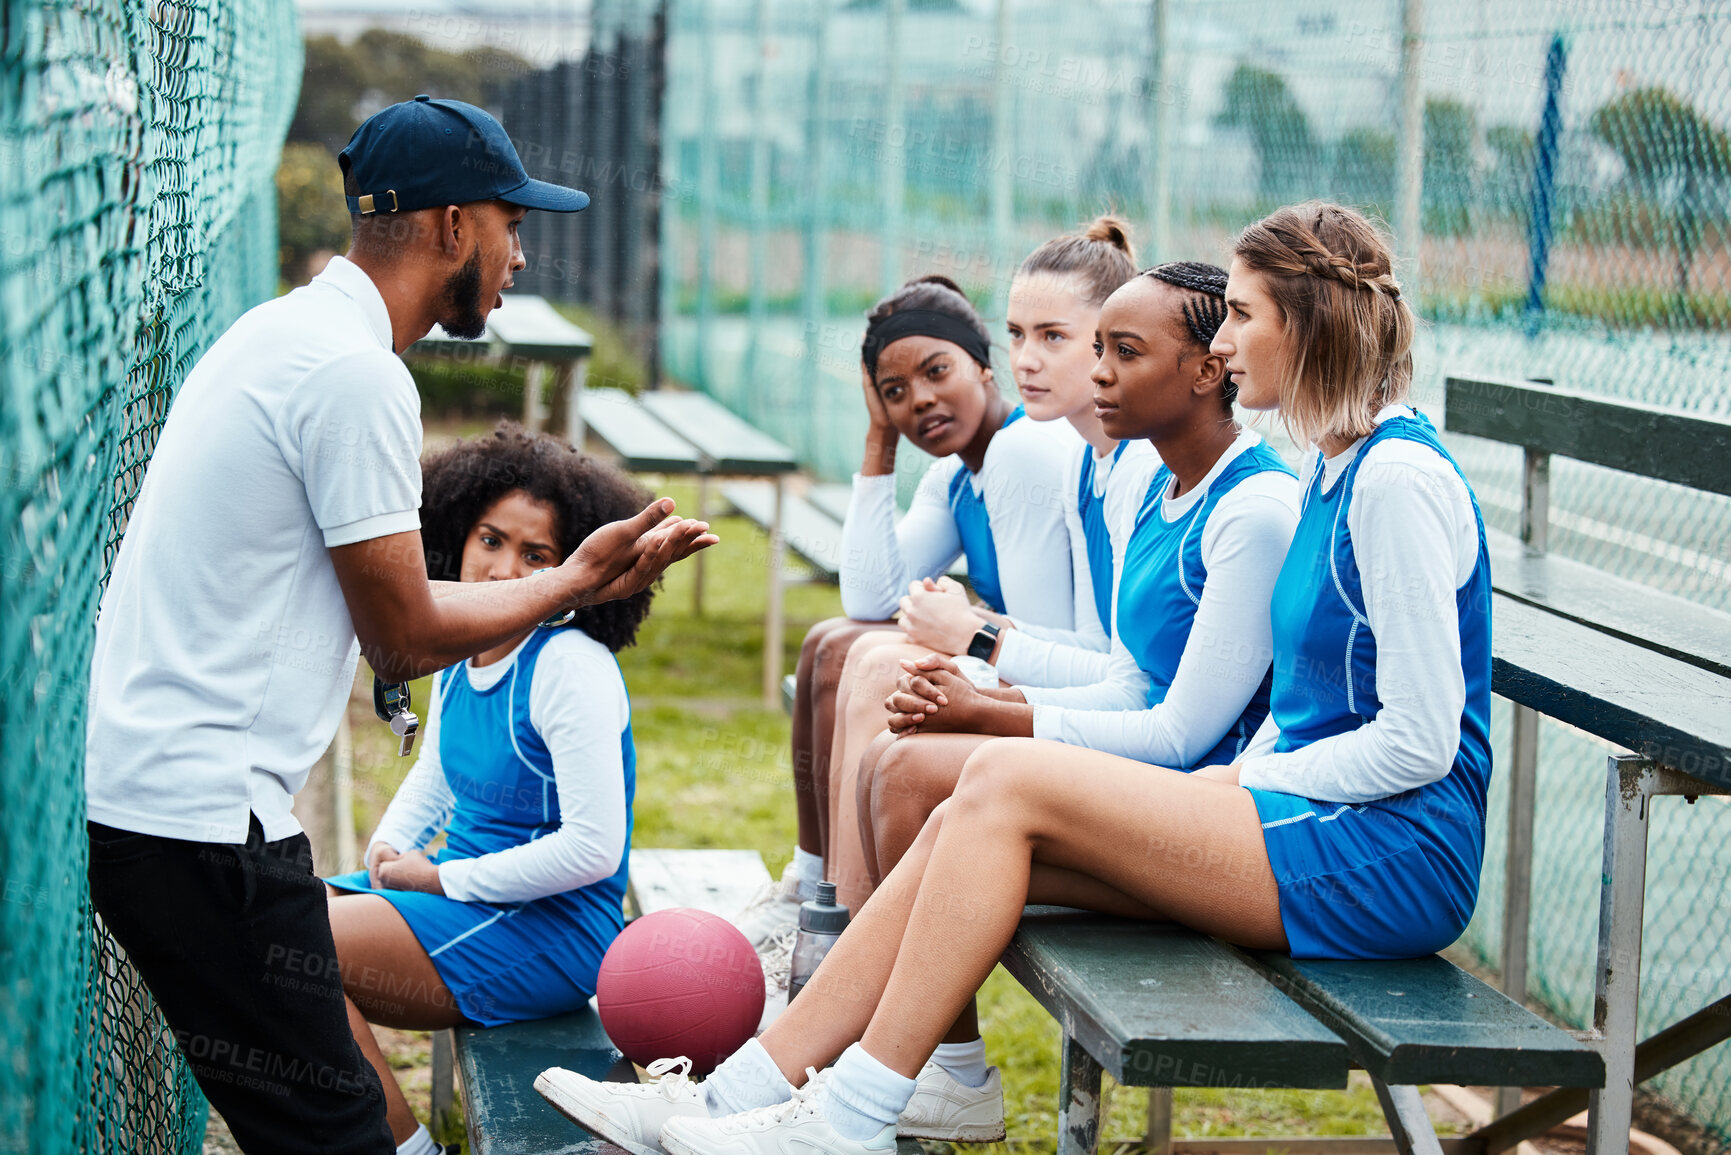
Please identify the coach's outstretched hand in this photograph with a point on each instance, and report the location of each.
(625, 557)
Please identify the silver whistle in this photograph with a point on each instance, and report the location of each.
(405, 726)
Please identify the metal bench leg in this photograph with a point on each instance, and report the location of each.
(444, 1067)
(1518, 884)
(1079, 1117)
(1159, 1140)
(1408, 1122)
(772, 618)
(702, 514)
(1629, 790)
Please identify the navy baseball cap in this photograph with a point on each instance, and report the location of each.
(424, 153)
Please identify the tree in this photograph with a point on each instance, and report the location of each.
(1259, 101)
(1364, 168)
(1449, 128)
(1672, 155)
(311, 214)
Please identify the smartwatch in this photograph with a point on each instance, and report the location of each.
(985, 641)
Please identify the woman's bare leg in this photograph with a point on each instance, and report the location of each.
(910, 776)
(873, 665)
(1105, 833)
(821, 658)
(387, 979)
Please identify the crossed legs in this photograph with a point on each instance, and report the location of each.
(1029, 821)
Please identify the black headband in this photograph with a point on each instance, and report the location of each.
(922, 323)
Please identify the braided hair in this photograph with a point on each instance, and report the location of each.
(1347, 350)
(1204, 307)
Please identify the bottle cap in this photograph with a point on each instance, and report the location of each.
(821, 915)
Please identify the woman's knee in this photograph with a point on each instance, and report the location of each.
(1002, 772)
(907, 779)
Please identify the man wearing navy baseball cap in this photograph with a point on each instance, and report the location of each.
(276, 538)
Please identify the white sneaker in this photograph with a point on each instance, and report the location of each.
(773, 909)
(796, 1127)
(630, 1115)
(943, 1107)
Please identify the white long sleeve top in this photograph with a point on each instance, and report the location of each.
(1415, 538)
(1032, 655)
(1022, 484)
(1229, 646)
(579, 705)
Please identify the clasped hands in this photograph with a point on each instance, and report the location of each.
(390, 869)
(933, 696)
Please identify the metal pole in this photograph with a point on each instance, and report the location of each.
(1002, 187)
(1409, 177)
(1544, 182)
(1617, 986)
(893, 160)
(772, 621)
(706, 190)
(1159, 1137)
(343, 796)
(755, 255)
(1079, 1115)
(1518, 880)
(1161, 130)
(815, 306)
(444, 1069)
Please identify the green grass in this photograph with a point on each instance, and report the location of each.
(713, 771)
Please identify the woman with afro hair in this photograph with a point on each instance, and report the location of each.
(527, 767)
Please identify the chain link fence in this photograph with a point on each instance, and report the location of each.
(1558, 174)
(138, 142)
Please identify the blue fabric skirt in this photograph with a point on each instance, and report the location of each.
(1357, 882)
(505, 962)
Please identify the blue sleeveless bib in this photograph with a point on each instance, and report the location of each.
(1325, 662)
(1162, 586)
(975, 527)
(501, 774)
(1098, 536)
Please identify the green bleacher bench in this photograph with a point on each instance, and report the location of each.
(1159, 1006)
(1638, 667)
(676, 432)
(528, 328)
(811, 533)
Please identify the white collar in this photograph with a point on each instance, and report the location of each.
(352, 281)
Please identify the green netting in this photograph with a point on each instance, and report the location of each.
(816, 153)
(138, 145)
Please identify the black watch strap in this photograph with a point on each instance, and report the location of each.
(985, 641)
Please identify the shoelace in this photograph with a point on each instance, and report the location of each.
(670, 1081)
(804, 1104)
(777, 958)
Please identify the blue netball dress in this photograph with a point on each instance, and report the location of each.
(975, 528)
(505, 962)
(1396, 877)
(1092, 508)
(1161, 588)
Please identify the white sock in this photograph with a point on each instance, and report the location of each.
(420, 1143)
(808, 868)
(864, 1096)
(746, 1080)
(966, 1062)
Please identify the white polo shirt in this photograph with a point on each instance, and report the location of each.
(224, 650)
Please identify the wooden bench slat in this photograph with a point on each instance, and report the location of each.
(501, 1108)
(808, 531)
(1654, 705)
(643, 443)
(719, 881)
(1677, 627)
(1158, 1005)
(1428, 1021)
(728, 443)
(1684, 448)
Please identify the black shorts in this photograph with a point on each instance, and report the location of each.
(235, 944)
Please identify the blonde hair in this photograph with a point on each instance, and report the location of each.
(1099, 258)
(1347, 350)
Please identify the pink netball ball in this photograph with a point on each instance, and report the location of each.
(680, 982)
